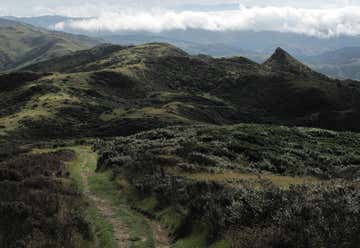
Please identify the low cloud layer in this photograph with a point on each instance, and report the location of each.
(328, 22)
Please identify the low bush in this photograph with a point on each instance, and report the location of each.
(246, 210)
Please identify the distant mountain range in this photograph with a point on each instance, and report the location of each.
(263, 42)
(336, 57)
(46, 22)
(340, 63)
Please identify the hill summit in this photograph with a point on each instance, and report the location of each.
(282, 61)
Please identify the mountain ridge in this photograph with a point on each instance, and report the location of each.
(319, 54)
(119, 90)
(23, 44)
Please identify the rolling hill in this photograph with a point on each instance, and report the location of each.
(22, 44)
(105, 146)
(117, 90)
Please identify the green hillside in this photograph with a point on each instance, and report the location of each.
(115, 90)
(148, 146)
(22, 44)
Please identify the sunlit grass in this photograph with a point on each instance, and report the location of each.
(197, 239)
(281, 181)
(115, 113)
(11, 122)
(58, 98)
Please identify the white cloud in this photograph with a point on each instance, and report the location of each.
(93, 7)
(2, 11)
(321, 22)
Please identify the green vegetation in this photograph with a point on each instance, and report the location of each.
(114, 90)
(242, 185)
(197, 239)
(229, 153)
(165, 126)
(139, 229)
(22, 45)
(102, 229)
(101, 185)
(221, 244)
(113, 114)
(281, 181)
(172, 217)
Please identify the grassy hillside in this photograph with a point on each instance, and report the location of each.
(22, 44)
(115, 90)
(169, 131)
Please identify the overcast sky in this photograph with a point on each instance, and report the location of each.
(67, 7)
(313, 17)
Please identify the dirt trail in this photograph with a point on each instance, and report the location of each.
(106, 209)
(160, 234)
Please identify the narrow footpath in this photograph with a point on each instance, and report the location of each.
(110, 211)
(106, 209)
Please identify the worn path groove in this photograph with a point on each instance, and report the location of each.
(108, 210)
